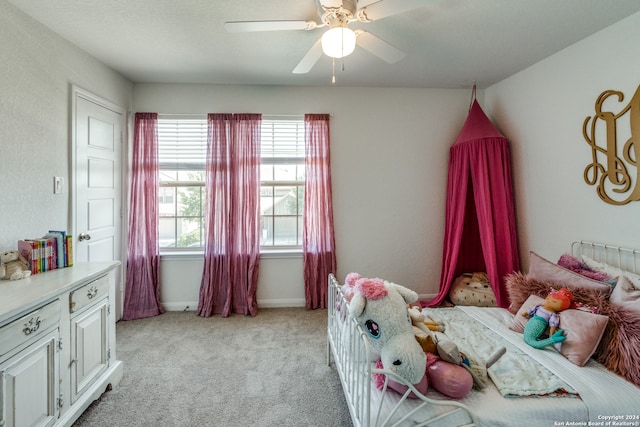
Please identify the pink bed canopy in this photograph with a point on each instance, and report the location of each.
(480, 229)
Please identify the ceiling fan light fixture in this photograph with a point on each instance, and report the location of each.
(338, 42)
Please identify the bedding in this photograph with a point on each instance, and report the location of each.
(590, 387)
(619, 348)
(585, 383)
(479, 342)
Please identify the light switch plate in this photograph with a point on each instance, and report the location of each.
(58, 184)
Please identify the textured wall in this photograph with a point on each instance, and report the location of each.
(36, 73)
(541, 110)
(389, 154)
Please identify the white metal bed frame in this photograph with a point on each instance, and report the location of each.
(348, 345)
(623, 258)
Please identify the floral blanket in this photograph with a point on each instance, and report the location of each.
(516, 373)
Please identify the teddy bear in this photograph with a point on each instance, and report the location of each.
(14, 266)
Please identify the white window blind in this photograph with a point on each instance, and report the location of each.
(282, 141)
(182, 143)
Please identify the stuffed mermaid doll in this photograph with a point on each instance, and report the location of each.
(544, 315)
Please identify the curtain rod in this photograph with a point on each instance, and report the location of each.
(204, 114)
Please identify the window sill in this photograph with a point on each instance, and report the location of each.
(198, 255)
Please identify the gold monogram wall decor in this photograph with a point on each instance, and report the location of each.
(618, 176)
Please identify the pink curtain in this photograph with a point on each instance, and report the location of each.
(142, 293)
(318, 243)
(480, 228)
(232, 242)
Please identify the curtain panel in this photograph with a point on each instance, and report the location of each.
(318, 242)
(232, 221)
(142, 291)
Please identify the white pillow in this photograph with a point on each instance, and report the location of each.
(611, 270)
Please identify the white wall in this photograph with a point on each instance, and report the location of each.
(389, 154)
(37, 70)
(541, 111)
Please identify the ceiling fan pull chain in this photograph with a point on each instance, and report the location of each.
(333, 71)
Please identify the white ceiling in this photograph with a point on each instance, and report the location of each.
(448, 43)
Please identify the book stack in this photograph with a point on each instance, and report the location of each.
(53, 250)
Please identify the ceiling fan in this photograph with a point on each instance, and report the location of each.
(339, 40)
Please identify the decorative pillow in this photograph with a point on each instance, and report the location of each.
(574, 264)
(583, 330)
(472, 289)
(626, 294)
(619, 348)
(520, 286)
(611, 270)
(542, 269)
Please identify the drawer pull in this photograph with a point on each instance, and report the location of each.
(31, 326)
(92, 292)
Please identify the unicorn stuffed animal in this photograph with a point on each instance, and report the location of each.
(381, 308)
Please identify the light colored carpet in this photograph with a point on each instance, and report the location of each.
(185, 370)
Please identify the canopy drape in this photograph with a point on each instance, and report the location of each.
(480, 228)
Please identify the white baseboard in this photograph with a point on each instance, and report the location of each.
(281, 303)
(426, 297)
(180, 306)
(267, 303)
(270, 303)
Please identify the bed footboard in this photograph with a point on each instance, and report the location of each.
(348, 346)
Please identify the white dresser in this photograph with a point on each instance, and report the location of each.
(57, 344)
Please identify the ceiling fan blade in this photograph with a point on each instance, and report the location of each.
(378, 47)
(251, 26)
(331, 3)
(310, 58)
(383, 8)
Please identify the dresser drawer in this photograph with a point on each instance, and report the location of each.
(27, 327)
(88, 294)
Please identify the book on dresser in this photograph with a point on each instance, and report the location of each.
(53, 250)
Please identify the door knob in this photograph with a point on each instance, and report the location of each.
(84, 236)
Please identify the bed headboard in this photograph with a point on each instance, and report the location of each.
(623, 258)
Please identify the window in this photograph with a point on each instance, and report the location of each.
(182, 148)
(182, 142)
(281, 183)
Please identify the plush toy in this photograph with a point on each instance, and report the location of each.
(472, 289)
(380, 307)
(14, 266)
(423, 328)
(544, 315)
(349, 285)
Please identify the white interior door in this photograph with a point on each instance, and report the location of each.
(98, 140)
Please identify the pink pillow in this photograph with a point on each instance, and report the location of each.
(542, 269)
(583, 329)
(453, 381)
(626, 294)
(378, 380)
